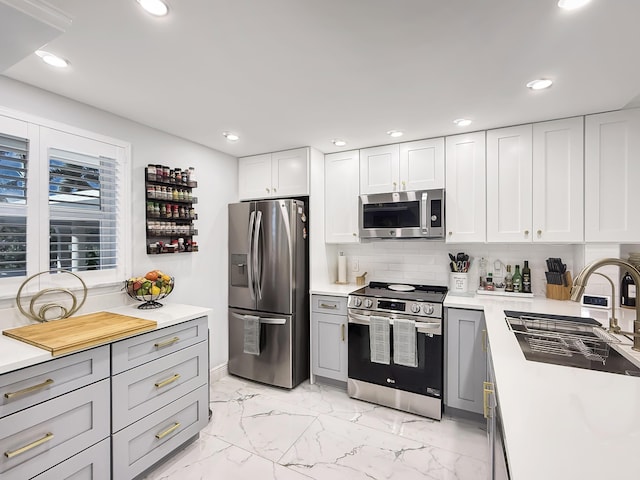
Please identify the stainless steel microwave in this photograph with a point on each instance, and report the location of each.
(418, 214)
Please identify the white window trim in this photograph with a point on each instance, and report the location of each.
(38, 131)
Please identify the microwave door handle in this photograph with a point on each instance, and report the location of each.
(423, 212)
(252, 219)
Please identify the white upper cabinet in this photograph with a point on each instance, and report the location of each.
(272, 175)
(612, 177)
(465, 188)
(402, 167)
(509, 184)
(558, 178)
(342, 172)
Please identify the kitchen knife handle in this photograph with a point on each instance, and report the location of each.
(24, 391)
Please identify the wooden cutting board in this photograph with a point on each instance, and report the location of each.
(77, 333)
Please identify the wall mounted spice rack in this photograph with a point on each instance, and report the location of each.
(170, 210)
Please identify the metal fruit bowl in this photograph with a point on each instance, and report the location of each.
(149, 291)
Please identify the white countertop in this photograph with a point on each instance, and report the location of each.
(15, 354)
(334, 289)
(560, 422)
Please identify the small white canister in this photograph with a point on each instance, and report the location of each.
(458, 283)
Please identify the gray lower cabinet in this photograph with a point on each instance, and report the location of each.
(329, 337)
(90, 464)
(465, 365)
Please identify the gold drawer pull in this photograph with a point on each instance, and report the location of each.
(342, 331)
(24, 391)
(487, 389)
(167, 342)
(26, 448)
(484, 340)
(327, 305)
(169, 430)
(166, 382)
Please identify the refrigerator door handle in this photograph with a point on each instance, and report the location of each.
(257, 261)
(250, 270)
(266, 321)
(287, 229)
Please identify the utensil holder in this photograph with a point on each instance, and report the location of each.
(560, 292)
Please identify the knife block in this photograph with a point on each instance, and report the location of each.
(560, 292)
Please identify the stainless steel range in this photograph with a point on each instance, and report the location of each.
(396, 347)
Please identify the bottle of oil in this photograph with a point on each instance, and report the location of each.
(526, 278)
(627, 291)
(517, 280)
(508, 280)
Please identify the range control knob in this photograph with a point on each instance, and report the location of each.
(415, 308)
(368, 303)
(357, 301)
(428, 309)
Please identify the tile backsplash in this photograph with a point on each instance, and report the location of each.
(419, 261)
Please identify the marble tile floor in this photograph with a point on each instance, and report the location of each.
(316, 431)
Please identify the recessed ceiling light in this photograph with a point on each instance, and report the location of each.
(539, 84)
(462, 122)
(51, 59)
(395, 133)
(154, 7)
(572, 4)
(232, 137)
(338, 143)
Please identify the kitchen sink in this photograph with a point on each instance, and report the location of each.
(569, 341)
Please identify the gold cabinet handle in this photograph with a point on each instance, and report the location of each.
(274, 190)
(166, 382)
(526, 232)
(395, 185)
(487, 389)
(539, 233)
(169, 430)
(354, 234)
(342, 331)
(26, 448)
(404, 185)
(327, 305)
(168, 342)
(450, 233)
(484, 340)
(24, 391)
(267, 190)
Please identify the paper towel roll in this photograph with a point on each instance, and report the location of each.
(342, 269)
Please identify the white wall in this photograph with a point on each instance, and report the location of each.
(201, 278)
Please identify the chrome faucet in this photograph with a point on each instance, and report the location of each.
(580, 283)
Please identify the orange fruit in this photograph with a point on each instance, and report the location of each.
(153, 276)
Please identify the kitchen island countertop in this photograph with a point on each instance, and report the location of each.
(560, 422)
(15, 354)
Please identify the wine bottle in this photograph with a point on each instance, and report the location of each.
(628, 291)
(526, 278)
(508, 280)
(517, 280)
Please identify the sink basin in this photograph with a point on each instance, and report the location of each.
(568, 341)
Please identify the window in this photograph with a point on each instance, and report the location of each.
(62, 198)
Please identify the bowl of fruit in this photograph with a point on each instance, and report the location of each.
(150, 288)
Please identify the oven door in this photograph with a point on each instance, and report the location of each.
(425, 379)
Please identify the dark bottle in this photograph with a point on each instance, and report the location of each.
(628, 291)
(517, 280)
(508, 280)
(526, 278)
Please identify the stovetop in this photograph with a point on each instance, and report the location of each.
(421, 293)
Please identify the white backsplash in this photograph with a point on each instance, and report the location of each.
(427, 262)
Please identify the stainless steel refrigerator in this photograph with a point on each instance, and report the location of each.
(268, 292)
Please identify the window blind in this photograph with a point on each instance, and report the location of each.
(13, 201)
(83, 210)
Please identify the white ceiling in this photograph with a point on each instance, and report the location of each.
(288, 73)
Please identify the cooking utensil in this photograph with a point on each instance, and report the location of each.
(402, 288)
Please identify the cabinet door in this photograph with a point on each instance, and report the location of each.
(254, 177)
(341, 172)
(422, 164)
(329, 348)
(466, 359)
(612, 177)
(509, 179)
(558, 175)
(289, 175)
(465, 188)
(379, 169)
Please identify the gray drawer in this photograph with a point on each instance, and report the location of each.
(94, 463)
(324, 304)
(36, 439)
(29, 386)
(140, 349)
(149, 440)
(144, 389)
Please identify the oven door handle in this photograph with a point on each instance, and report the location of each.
(366, 320)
